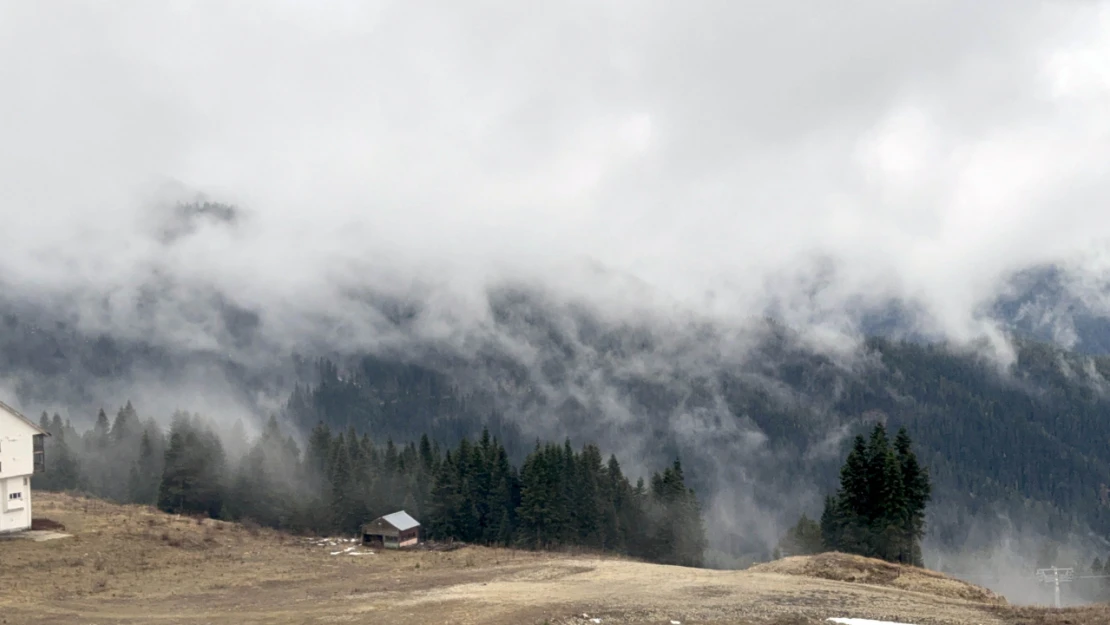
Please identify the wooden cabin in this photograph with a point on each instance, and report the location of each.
(392, 531)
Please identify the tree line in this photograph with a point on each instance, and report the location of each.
(557, 497)
(879, 509)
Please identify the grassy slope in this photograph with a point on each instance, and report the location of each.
(130, 564)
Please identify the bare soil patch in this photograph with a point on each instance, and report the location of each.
(39, 524)
(1087, 615)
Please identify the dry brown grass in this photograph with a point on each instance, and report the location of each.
(133, 564)
(844, 567)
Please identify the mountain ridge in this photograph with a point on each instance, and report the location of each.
(761, 417)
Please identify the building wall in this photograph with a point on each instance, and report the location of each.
(16, 466)
(378, 527)
(407, 539)
(15, 503)
(16, 447)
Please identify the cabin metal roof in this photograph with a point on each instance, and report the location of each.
(19, 415)
(401, 520)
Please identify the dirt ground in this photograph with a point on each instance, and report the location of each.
(131, 564)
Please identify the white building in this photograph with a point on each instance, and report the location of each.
(21, 455)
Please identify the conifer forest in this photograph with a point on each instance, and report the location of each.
(879, 509)
(559, 497)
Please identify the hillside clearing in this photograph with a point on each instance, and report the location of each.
(859, 570)
(133, 564)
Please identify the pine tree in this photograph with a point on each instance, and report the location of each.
(587, 499)
(566, 472)
(917, 491)
(427, 459)
(802, 539)
(675, 529)
(637, 509)
(505, 529)
(99, 434)
(446, 497)
(193, 472)
(176, 482)
(542, 511)
(613, 495)
(318, 454)
(124, 425)
(879, 510)
(344, 506)
(854, 487)
(854, 501)
(890, 513)
(832, 525)
(63, 471)
(501, 498)
(361, 483)
(144, 479)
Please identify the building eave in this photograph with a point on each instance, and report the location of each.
(19, 415)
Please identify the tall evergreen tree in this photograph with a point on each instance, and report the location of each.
(879, 510)
(802, 539)
(917, 491)
(344, 488)
(144, 478)
(100, 431)
(447, 500)
(124, 425)
(193, 472)
(318, 454)
(832, 525)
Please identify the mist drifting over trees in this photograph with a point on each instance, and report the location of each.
(557, 498)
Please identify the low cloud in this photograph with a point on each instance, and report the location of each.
(704, 155)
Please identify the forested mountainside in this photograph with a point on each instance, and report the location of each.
(761, 419)
(48, 357)
(1052, 305)
(1031, 444)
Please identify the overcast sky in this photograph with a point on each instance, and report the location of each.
(924, 148)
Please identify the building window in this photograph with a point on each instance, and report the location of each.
(38, 454)
(13, 496)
